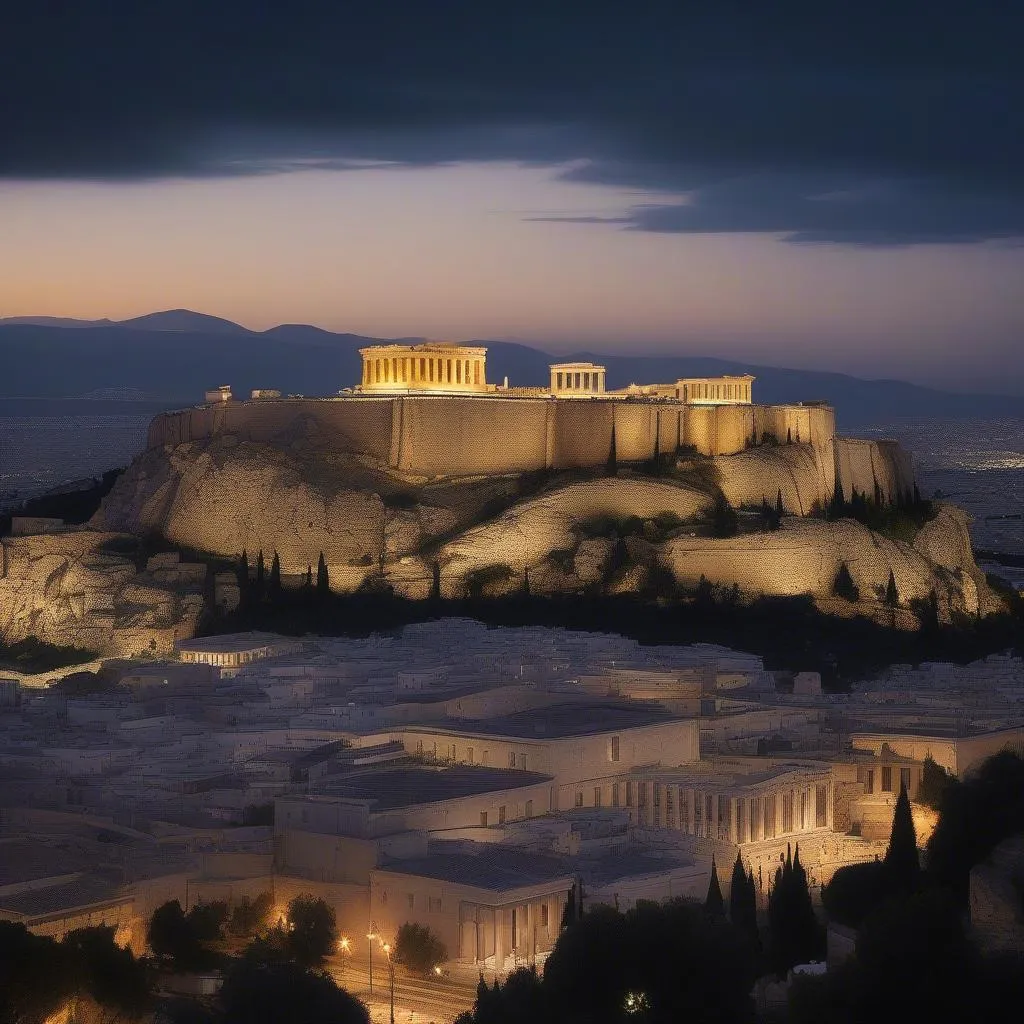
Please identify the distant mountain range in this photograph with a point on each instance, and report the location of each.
(172, 357)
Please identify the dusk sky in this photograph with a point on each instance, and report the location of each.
(816, 185)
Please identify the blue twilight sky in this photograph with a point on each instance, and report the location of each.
(820, 185)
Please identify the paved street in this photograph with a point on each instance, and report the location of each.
(417, 1000)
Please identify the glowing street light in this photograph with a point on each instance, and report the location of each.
(391, 972)
(371, 936)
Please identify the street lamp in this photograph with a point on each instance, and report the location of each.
(391, 973)
(372, 936)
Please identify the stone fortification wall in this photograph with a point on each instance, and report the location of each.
(362, 426)
(863, 465)
(448, 436)
(458, 436)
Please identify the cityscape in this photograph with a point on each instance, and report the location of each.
(511, 516)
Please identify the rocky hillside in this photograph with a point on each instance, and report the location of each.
(552, 533)
(73, 589)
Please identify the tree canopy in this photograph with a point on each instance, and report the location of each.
(269, 993)
(418, 948)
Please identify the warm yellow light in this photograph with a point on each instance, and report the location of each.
(371, 935)
(387, 949)
(344, 945)
(437, 971)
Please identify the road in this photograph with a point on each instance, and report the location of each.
(417, 1000)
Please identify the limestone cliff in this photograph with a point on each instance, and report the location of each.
(301, 494)
(67, 588)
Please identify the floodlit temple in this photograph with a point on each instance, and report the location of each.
(440, 367)
(432, 366)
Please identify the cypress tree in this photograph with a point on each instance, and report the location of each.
(789, 435)
(737, 891)
(569, 912)
(309, 577)
(724, 521)
(844, 585)
(752, 909)
(323, 581)
(242, 572)
(837, 505)
(714, 904)
(274, 582)
(780, 509)
(259, 586)
(892, 595)
(743, 901)
(901, 865)
(705, 594)
(612, 467)
(796, 935)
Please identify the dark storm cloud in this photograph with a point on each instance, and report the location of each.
(911, 111)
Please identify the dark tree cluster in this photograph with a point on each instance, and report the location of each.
(86, 972)
(656, 963)
(184, 941)
(795, 934)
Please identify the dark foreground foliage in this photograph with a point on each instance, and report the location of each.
(789, 633)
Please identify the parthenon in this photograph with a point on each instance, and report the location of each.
(432, 366)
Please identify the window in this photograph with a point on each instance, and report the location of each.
(529, 808)
(383, 897)
(486, 759)
(511, 759)
(469, 754)
(543, 915)
(521, 758)
(869, 784)
(905, 779)
(434, 904)
(579, 799)
(501, 815)
(483, 818)
(614, 752)
(411, 900)
(597, 796)
(629, 794)
(887, 779)
(615, 794)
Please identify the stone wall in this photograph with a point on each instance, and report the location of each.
(865, 465)
(472, 435)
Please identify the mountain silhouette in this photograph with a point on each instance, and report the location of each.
(175, 355)
(183, 320)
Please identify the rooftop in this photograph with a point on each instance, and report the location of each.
(558, 721)
(231, 643)
(409, 785)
